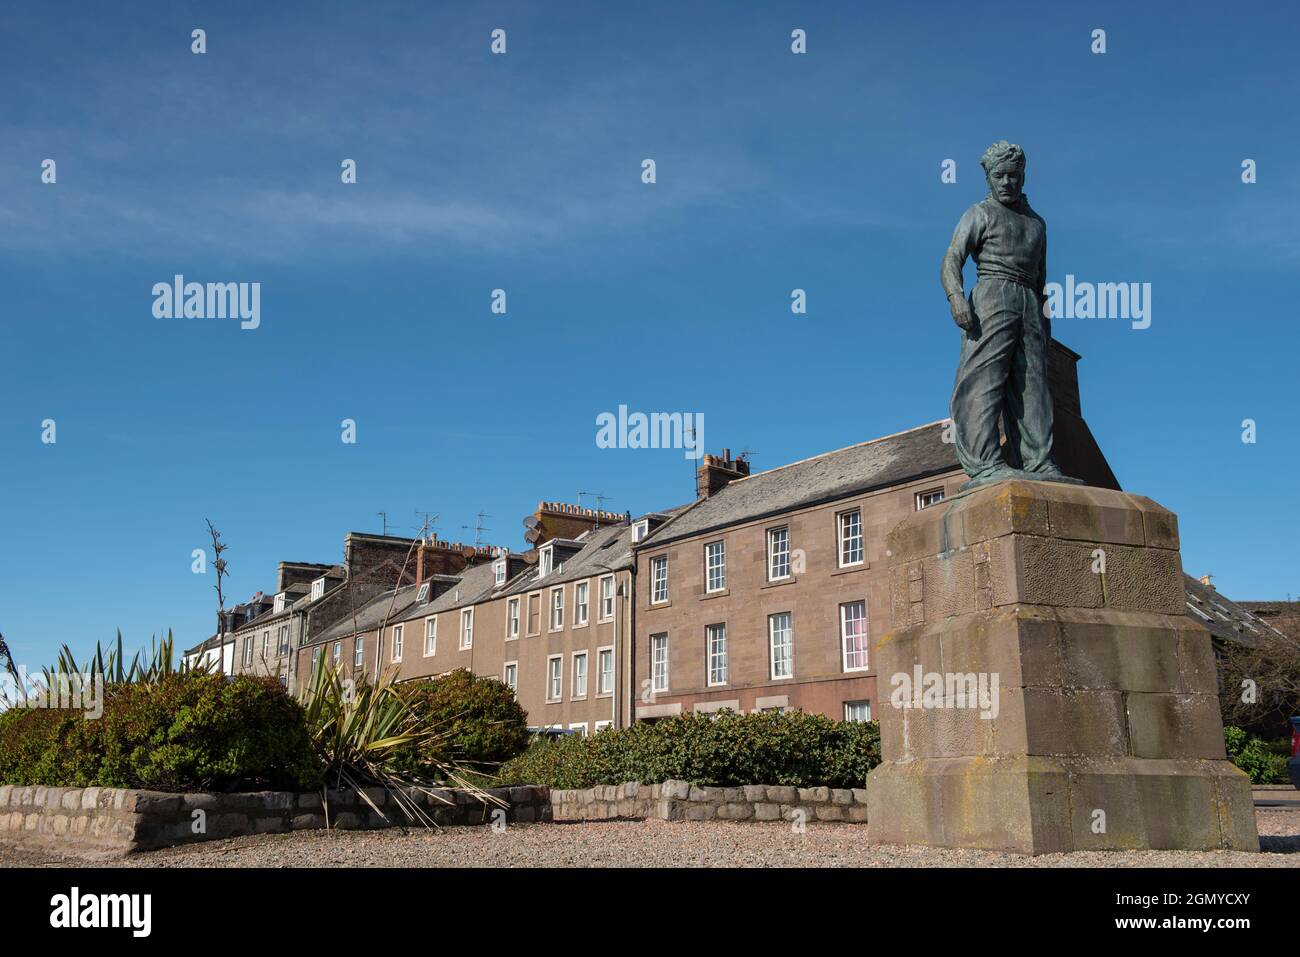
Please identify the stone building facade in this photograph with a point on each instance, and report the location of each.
(768, 594)
(312, 598)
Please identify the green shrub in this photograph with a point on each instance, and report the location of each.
(726, 749)
(1264, 763)
(182, 732)
(481, 724)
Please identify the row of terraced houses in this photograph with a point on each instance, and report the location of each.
(764, 591)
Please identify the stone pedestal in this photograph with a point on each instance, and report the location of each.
(1098, 724)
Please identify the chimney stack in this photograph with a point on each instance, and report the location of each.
(715, 472)
(566, 520)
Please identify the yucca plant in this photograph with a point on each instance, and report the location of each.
(365, 734)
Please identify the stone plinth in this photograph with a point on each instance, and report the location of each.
(1075, 706)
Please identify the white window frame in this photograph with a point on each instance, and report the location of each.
(926, 494)
(659, 662)
(282, 641)
(788, 643)
(430, 647)
(506, 675)
(844, 636)
(315, 658)
(602, 655)
(554, 680)
(659, 580)
(640, 530)
(579, 726)
(712, 647)
(579, 693)
(841, 540)
(336, 653)
(545, 561)
(317, 588)
(555, 613)
(278, 605)
(499, 572)
(773, 554)
(398, 636)
(359, 652)
(613, 590)
(715, 583)
(266, 644)
(467, 628)
(512, 618)
(248, 650)
(865, 702)
(601, 726)
(422, 595)
(581, 603)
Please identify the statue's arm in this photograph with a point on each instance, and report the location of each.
(965, 242)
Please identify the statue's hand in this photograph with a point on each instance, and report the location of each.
(961, 313)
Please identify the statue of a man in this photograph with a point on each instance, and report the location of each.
(1002, 373)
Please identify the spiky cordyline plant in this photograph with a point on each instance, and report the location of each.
(110, 667)
(113, 666)
(360, 730)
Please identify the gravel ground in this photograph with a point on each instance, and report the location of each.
(653, 844)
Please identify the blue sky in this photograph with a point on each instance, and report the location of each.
(522, 172)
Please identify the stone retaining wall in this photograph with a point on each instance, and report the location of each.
(111, 821)
(683, 801)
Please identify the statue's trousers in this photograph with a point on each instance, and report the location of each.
(1003, 366)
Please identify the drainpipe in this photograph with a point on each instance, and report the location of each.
(628, 690)
(294, 616)
(617, 657)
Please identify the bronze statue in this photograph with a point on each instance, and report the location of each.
(1006, 330)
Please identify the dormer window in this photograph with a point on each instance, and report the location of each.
(423, 595)
(545, 561)
(317, 588)
(279, 603)
(640, 530)
(499, 569)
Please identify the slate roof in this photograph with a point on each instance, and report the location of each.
(209, 643)
(475, 582)
(1225, 619)
(266, 617)
(472, 585)
(369, 615)
(604, 550)
(892, 460)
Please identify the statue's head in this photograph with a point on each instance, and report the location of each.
(1004, 168)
